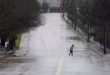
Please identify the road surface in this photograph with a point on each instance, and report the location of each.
(48, 51)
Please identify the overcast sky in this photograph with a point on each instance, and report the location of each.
(53, 3)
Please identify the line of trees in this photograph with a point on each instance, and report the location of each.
(92, 16)
(17, 17)
(45, 6)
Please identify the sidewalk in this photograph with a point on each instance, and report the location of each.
(93, 45)
(24, 47)
(2, 55)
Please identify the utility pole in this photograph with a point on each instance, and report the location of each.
(71, 14)
(50, 5)
(62, 6)
(104, 50)
(75, 8)
(44, 5)
(88, 28)
(88, 34)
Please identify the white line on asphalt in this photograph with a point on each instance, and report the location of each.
(59, 67)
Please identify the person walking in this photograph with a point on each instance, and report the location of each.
(71, 50)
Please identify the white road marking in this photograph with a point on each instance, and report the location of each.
(59, 67)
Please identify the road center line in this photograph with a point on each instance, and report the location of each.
(59, 66)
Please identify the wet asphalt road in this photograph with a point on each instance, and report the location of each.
(48, 53)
